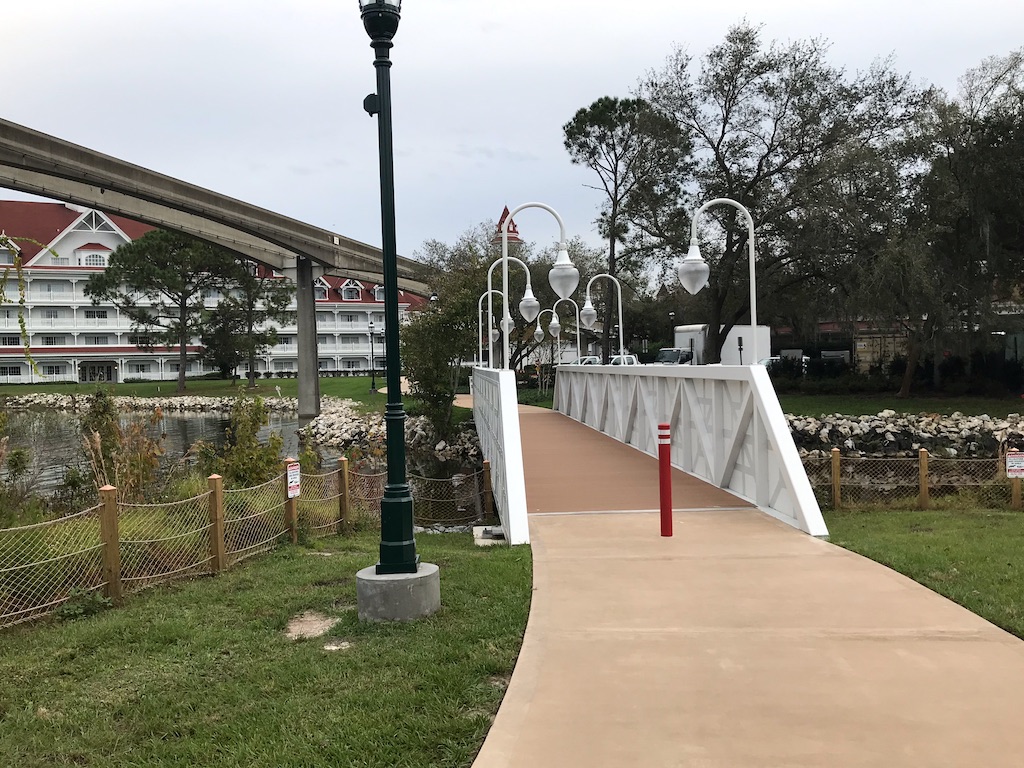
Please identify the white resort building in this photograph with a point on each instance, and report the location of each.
(71, 339)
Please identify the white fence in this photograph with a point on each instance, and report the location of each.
(496, 413)
(727, 427)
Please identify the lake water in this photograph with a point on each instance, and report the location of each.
(54, 442)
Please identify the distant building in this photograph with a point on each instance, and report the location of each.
(61, 245)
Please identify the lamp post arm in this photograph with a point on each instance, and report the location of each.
(577, 307)
(506, 315)
(751, 250)
(618, 289)
(480, 328)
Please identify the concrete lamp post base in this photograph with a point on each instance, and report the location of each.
(398, 596)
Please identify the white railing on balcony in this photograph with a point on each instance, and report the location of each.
(496, 414)
(727, 427)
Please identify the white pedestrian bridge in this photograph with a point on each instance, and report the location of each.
(727, 427)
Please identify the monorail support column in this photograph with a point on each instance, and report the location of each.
(305, 310)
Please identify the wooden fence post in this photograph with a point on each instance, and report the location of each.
(344, 502)
(291, 506)
(488, 492)
(111, 542)
(837, 498)
(216, 483)
(922, 479)
(1015, 492)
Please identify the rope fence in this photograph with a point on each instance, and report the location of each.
(118, 548)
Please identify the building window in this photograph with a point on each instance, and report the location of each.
(95, 314)
(140, 340)
(97, 341)
(139, 367)
(51, 314)
(351, 365)
(285, 341)
(319, 293)
(10, 341)
(53, 370)
(10, 370)
(351, 319)
(378, 293)
(53, 341)
(60, 261)
(324, 317)
(324, 339)
(350, 293)
(95, 260)
(6, 258)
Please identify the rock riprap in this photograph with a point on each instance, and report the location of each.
(900, 434)
(184, 403)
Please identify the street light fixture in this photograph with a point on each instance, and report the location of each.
(577, 308)
(589, 315)
(694, 271)
(563, 277)
(397, 542)
(492, 335)
(529, 307)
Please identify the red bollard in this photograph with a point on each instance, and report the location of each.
(665, 477)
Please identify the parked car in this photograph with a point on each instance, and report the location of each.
(625, 360)
(586, 360)
(775, 361)
(673, 356)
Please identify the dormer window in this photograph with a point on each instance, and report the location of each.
(378, 293)
(320, 293)
(94, 260)
(350, 293)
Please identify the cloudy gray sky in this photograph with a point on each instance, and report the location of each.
(262, 100)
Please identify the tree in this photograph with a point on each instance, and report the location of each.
(159, 282)
(789, 136)
(242, 325)
(630, 146)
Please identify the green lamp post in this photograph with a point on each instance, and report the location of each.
(397, 544)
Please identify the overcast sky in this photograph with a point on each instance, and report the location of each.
(262, 100)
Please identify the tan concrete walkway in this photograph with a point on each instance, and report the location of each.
(737, 642)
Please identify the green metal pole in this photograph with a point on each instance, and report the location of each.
(397, 543)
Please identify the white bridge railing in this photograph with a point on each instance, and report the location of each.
(496, 413)
(727, 427)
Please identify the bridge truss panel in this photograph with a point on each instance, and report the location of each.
(727, 428)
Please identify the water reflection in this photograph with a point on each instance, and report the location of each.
(54, 443)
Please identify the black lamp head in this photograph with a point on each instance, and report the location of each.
(380, 17)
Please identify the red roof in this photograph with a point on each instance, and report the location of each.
(33, 225)
(93, 247)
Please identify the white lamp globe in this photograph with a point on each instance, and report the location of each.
(693, 271)
(529, 307)
(564, 277)
(588, 315)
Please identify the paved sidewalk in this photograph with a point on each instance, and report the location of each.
(737, 642)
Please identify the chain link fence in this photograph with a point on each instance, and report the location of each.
(840, 481)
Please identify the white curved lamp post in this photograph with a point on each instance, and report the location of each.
(492, 335)
(564, 277)
(693, 271)
(588, 315)
(529, 307)
(577, 308)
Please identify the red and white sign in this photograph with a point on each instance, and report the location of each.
(1015, 464)
(294, 479)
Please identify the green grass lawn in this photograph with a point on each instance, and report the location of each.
(971, 556)
(200, 673)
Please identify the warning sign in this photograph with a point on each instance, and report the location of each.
(294, 479)
(1015, 464)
